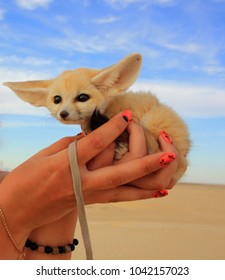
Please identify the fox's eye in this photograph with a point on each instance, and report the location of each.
(82, 97)
(57, 99)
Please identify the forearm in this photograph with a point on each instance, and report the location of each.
(8, 250)
(59, 233)
(12, 235)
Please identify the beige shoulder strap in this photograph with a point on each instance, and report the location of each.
(79, 198)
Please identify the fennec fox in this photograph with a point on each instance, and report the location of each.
(90, 97)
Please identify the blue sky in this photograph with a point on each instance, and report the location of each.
(183, 48)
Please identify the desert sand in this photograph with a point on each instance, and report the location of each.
(188, 224)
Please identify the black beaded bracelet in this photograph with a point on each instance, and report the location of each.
(51, 250)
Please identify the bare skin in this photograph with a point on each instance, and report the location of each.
(41, 192)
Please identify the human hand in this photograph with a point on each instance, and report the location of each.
(41, 188)
(149, 186)
(163, 178)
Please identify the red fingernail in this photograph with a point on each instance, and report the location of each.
(167, 158)
(166, 137)
(127, 115)
(161, 193)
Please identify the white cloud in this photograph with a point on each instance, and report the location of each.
(191, 48)
(211, 68)
(62, 19)
(114, 3)
(2, 13)
(14, 74)
(31, 123)
(73, 41)
(125, 3)
(9, 102)
(105, 20)
(30, 60)
(33, 4)
(187, 100)
(2, 166)
(164, 1)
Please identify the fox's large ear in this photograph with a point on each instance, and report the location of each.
(119, 76)
(33, 92)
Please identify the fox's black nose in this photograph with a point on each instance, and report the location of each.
(64, 114)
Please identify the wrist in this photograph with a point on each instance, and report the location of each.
(15, 220)
(57, 234)
(10, 248)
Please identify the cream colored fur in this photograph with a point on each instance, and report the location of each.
(106, 92)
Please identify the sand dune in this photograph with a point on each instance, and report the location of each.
(187, 224)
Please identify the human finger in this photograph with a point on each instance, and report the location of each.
(137, 143)
(113, 176)
(123, 193)
(137, 140)
(166, 143)
(163, 178)
(58, 146)
(103, 159)
(102, 137)
(166, 176)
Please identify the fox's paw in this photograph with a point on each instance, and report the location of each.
(121, 150)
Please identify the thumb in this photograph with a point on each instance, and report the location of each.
(57, 146)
